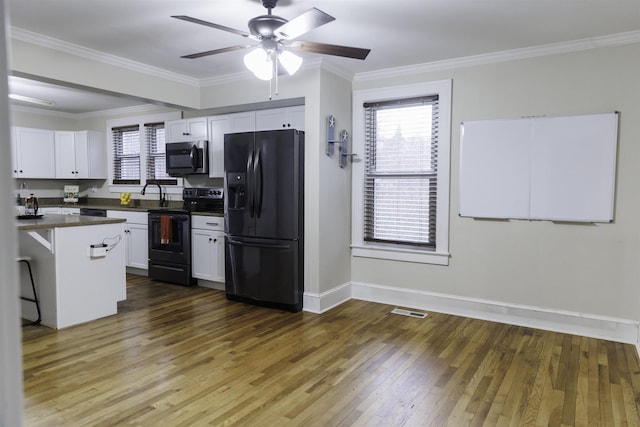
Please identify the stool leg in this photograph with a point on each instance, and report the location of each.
(35, 295)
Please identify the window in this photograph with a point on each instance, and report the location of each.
(156, 164)
(401, 171)
(138, 153)
(401, 188)
(126, 154)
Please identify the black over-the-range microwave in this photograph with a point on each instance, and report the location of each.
(187, 158)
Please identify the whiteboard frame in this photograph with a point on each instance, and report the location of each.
(538, 168)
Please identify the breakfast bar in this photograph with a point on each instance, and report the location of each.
(78, 265)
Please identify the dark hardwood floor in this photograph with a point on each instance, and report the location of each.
(177, 356)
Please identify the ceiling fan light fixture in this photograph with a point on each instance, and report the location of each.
(259, 63)
(290, 61)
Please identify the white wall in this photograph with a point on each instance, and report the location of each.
(588, 269)
(11, 400)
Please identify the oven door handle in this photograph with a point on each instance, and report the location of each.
(173, 218)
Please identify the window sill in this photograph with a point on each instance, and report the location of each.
(394, 254)
(136, 188)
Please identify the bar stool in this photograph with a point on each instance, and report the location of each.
(26, 260)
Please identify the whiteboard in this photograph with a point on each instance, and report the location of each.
(544, 168)
(487, 157)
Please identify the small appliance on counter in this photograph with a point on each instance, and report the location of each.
(170, 234)
(31, 208)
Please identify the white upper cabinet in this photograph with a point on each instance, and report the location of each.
(218, 127)
(280, 118)
(34, 153)
(242, 122)
(248, 121)
(80, 155)
(186, 130)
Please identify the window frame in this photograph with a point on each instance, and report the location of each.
(140, 121)
(361, 248)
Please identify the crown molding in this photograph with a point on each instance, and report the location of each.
(73, 49)
(137, 109)
(503, 56)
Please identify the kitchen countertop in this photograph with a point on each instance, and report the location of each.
(56, 221)
(127, 208)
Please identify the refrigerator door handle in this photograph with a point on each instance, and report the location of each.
(231, 241)
(249, 183)
(257, 172)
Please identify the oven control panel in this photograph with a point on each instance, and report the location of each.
(203, 193)
(203, 199)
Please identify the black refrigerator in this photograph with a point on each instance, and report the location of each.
(264, 218)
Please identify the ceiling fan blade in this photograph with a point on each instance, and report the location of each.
(216, 51)
(331, 49)
(307, 21)
(212, 25)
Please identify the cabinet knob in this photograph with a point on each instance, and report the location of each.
(210, 239)
(215, 240)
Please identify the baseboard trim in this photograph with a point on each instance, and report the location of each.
(583, 324)
(319, 303)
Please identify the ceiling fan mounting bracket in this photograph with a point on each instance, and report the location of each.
(269, 4)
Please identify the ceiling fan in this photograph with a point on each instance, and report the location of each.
(276, 38)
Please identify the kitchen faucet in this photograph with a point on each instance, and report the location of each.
(162, 199)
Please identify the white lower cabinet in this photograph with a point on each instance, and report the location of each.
(136, 237)
(207, 248)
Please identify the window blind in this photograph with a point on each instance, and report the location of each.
(401, 161)
(126, 154)
(156, 161)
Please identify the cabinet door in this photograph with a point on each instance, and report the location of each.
(175, 130)
(35, 149)
(295, 116)
(81, 150)
(138, 246)
(217, 257)
(273, 119)
(90, 152)
(207, 251)
(242, 122)
(14, 153)
(202, 254)
(65, 154)
(218, 126)
(197, 128)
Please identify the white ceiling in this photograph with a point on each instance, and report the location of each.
(398, 32)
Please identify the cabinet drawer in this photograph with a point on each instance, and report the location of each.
(215, 223)
(131, 217)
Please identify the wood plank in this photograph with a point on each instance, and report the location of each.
(187, 356)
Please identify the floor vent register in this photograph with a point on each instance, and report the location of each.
(409, 313)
